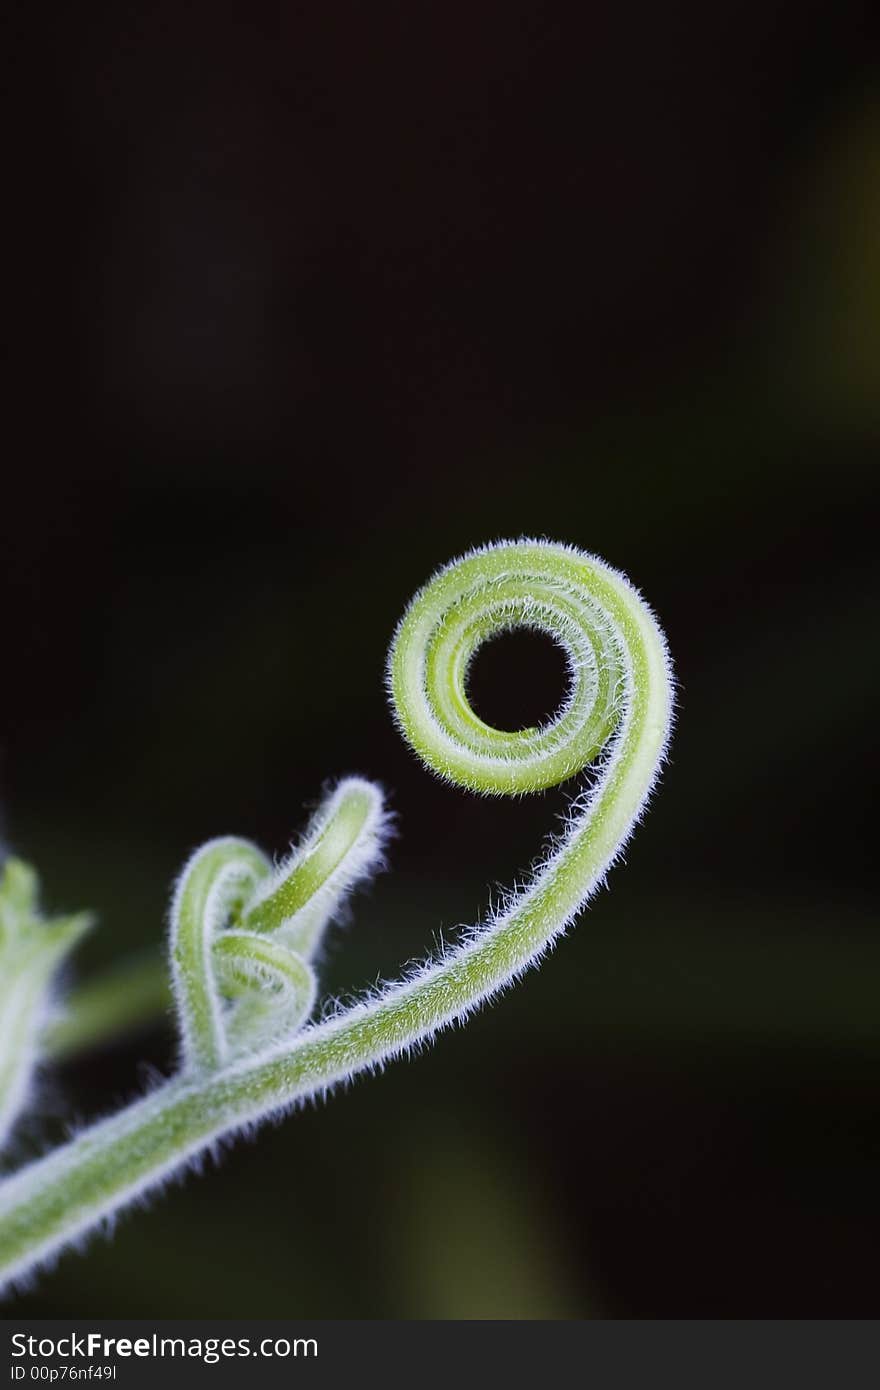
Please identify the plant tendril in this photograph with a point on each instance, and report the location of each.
(244, 937)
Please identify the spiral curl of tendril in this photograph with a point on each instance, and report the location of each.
(244, 937)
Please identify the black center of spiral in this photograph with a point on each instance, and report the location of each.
(517, 680)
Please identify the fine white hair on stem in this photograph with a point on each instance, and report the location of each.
(343, 846)
(616, 714)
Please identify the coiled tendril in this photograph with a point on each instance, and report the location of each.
(243, 937)
(468, 603)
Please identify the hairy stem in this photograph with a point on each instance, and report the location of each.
(620, 697)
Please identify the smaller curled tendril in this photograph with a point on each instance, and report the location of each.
(243, 936)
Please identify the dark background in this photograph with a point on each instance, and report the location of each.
(306, 300)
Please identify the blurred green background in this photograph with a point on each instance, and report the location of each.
(307, 302)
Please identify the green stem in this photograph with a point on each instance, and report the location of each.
(68, 1192)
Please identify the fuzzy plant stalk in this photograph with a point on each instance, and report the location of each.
(245, 935)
